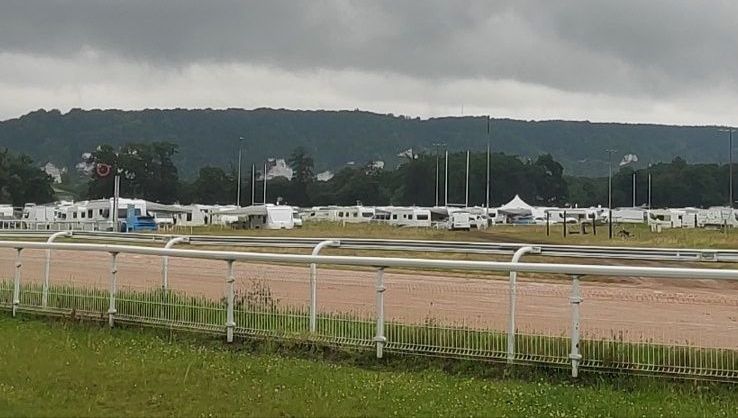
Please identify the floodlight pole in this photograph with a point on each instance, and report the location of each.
(445, 187)
(238, 183)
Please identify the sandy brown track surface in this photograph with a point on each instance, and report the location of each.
(703, 313)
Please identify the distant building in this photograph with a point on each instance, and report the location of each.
(53, 171)
(277, 167)
(324, 176)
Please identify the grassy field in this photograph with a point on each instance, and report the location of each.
(639, 234)
(72, 369)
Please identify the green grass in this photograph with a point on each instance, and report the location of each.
(258, 313)
(56, 368)
(640, 234)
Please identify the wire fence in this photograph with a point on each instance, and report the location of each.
(683, 328)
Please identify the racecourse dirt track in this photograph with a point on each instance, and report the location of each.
(637, 309)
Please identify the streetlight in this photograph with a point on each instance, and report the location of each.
(609, 192)
(436, 145)
(730, 168)
(238, 192)
(609, 177)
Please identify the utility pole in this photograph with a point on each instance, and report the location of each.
(730, 164)
(238, 183)
(466, 200)
(265, 182)
(438, 157)
(486, 200)
(116, 199)
(649, 186)
(609, 193)
(609, 178)
(445, 187)
(253, 183)
(634, 189)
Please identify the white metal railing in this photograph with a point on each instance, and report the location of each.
(549, 250)
(465, 341)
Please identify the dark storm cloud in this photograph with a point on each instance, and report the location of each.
(623, 48)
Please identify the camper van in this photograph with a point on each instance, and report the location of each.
(267, 216)
(665, 218)
(410, 216)
(347, 214)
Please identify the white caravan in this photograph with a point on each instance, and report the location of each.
(348, 214)
(665, 218)
(409, 216)
(267, 216)
(629, 215)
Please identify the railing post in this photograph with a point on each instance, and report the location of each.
(575, 300)
(113, 288)
(165, 261)
(47, 270)
(380, 339)
(16, 280)
(513, 300)
(313, 282)
(230, 323)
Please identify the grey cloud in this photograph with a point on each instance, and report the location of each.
(627, 48)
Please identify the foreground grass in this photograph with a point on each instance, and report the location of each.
(71, 369)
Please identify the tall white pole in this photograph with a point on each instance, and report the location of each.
(466, 200)
(649, 189)
(486, 200)
(116, 197)
(437, 157)
(634, 189)
(609, 178)
(265, 183)
(238, 183)
(253, 183)
(445, 187)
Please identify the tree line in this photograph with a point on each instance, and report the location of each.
(148, 171)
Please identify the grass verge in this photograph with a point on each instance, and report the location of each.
(64, 368)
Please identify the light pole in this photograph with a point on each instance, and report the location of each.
(730, 165)
(438, 156)
(486, 200)
(238, 192)
(609, 178)
(609, 193)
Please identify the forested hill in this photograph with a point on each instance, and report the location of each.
(210, 137)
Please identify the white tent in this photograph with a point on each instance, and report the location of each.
(516, 207)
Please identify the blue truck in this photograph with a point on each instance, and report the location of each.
(136, 222)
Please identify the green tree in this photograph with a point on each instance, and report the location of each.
(302, 166)
(22, 182)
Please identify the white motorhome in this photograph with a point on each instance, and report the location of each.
(267, 216)
(665, 218)
(409, 216)
(6, 212)
(348, 214)
(629, 215)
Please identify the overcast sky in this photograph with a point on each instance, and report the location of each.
(633, 61)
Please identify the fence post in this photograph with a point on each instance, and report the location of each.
(47, 270)
(575, 300)
(16, 280)
(113, 288)
(313, 281)
(380, 339)
(564, 224)
(165, 261)
(513, 293)
(230, 323)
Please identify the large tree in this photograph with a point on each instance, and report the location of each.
(146, 169)
(302, 166)
(23, 182)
